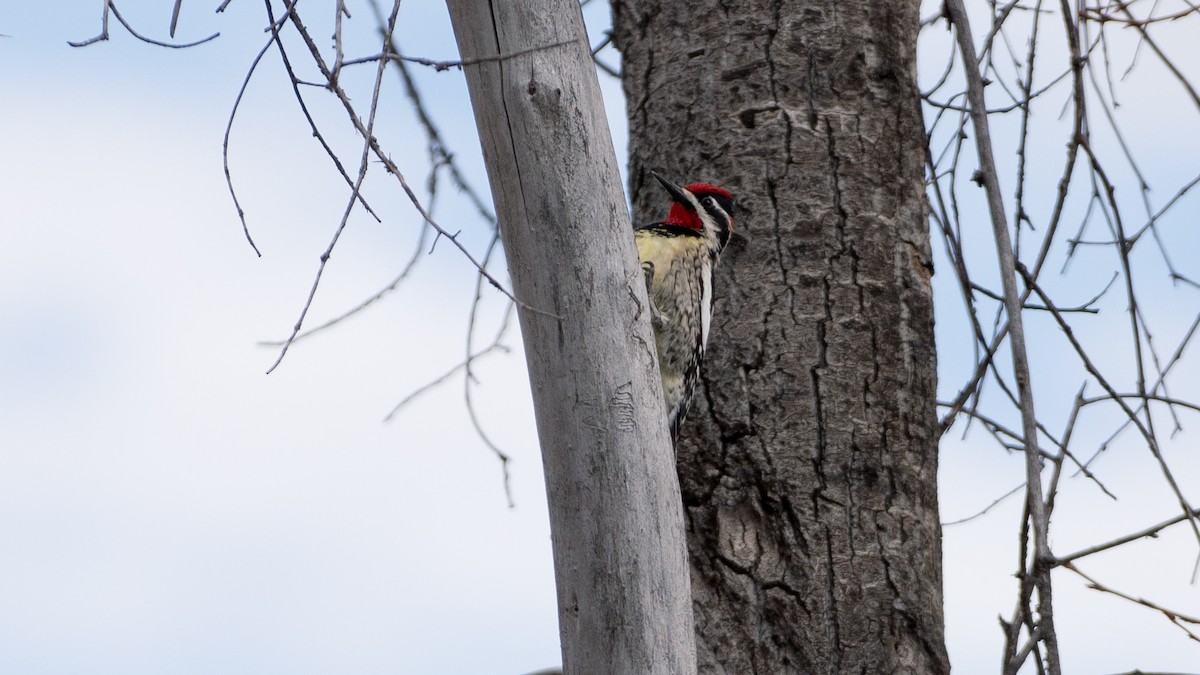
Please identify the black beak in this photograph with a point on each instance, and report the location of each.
(677, 193)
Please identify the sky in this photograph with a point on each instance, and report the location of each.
(167, 507)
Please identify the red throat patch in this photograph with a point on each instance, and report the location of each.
(683, 216)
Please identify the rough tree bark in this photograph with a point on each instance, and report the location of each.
(808, 461)
(615, 507)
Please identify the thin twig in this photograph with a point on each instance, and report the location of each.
(364, 304)
(175, 16)
(996, 502)
(441, 379)
(107, 4)
(1012, 303)
(1174, 617)
(237, 102)
(1146, 431)
(1151, 532)
(368, 139)
(152, 41)
(447, 65)
(395, 170)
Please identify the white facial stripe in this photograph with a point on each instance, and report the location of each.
(717, 207)
(706, 218)
(695, 203)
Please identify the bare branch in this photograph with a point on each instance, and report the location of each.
(1035, 502)
(1151, 532)
(1174, 617)
(225, 145)
(996, 502)
(1145, 430)
(441, 379)
(110, 6)
(103, 27)
(175, 16)
(368, 141)
(447, 65)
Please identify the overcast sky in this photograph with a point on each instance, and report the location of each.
(166, 507)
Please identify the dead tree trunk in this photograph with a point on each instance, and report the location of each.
(809, 459)
(615, 508)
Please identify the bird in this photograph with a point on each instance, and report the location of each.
(678, 256)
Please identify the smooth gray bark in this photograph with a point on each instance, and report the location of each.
(615, 507)
(809, 459)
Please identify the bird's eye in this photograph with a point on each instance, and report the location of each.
(709, 201)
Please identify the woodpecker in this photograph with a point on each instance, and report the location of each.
(678, 256)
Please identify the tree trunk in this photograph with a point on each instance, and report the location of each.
(809, 459)
(615, 507)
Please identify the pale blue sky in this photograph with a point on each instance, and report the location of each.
(165, 507)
